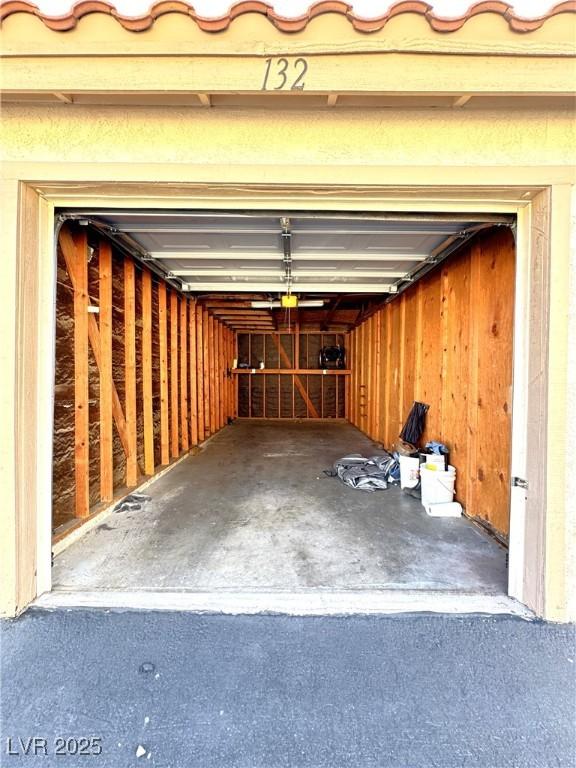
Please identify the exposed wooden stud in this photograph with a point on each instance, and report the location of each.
(217, 389)
(206, 372)
(81, 412)
(174, 405)
(235, 380)
(200, 372)
(147, 402)
(221, 374)
(225, 387)
(212, 375)
(163, 341)
(204, 99)
(229, 357)
(375, 375)
(130, 370)
(105, 371)
(402, 406)
(184, 416)
(192, 336)
(332, 99)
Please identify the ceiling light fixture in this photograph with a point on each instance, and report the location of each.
(278, 304)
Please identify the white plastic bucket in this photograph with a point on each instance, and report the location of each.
(437, 485)
(409, 471)
(435, 458)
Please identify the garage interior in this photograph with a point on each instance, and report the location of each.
(174, 350)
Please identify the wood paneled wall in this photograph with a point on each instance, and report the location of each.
(142, 375)
(447, 341)
(281, 394)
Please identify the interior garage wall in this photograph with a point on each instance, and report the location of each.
(447, 342)
(284, 389)
(142, 374)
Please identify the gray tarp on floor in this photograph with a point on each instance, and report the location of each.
(362, 474)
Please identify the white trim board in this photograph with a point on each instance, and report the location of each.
(302, 603)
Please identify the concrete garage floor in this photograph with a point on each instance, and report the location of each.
(253, 510)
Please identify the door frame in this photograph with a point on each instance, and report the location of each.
(29, 551)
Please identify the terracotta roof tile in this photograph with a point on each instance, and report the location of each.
(285, 24)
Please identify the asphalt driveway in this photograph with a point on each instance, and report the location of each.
(98, 688)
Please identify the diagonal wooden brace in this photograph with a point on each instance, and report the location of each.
(67, 244)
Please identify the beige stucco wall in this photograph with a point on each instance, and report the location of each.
(72, 133)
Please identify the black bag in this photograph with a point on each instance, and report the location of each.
(332, 357)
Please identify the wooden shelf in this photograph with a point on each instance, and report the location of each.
(295, 371)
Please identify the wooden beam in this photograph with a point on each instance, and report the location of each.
(130, 370)
(147, 390)
(206, 372)
(217, 392)
(174, 421)
(228, 367)
(233, 309)
(296, 371)
(163, 342)
(211, 374)
(330, 313)
(221, 374)
(235, 380)
(68, 249)
(184, 418)
(105, 371)
(81, 409)
(200, 372)
(193, 373)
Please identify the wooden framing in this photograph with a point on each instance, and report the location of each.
(192, 336)
(447, 341)
(221, 376)
(105, 371)
(184, 414)
(310, 396)
(206, 373)
(200, 372)
(163, 342)
(217, 378)
(174, 369)
(211, 371)
(130, 370)
(81, 420)
(174, 420)
(147, 403)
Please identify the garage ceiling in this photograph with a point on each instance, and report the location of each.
(249, 253)
(330, 256)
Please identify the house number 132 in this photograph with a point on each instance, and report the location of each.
(284, 75)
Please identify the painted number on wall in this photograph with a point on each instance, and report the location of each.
(284, 75)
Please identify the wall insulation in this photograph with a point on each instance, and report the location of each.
(447, 342)
(142, 375)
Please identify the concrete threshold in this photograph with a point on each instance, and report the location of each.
(296, 603)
